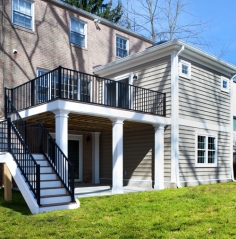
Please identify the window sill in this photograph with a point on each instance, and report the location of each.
(205, 165)
(23, 29)
(77, 46)
(185, 76)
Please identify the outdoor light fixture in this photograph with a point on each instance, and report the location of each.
(14, 51)
(135, 77)
(96, 20)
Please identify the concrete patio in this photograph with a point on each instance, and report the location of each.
(91, 190)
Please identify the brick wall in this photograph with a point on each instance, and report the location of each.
(48, 46)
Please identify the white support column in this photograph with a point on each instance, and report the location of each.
(159, 157)
(117, 156)
(61, 128)
(95, 157)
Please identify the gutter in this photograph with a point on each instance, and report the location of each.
(232, 95)
(102, 20)
(2, 44)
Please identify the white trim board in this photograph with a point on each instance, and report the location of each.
(204, 125)
(96, 110)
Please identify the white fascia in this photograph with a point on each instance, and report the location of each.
(95, 110)
(174, 119)
(232, 105)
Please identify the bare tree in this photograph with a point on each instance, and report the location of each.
(164, 20)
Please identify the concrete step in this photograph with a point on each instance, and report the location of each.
(52, 191)
(55, 199)
(50, 184)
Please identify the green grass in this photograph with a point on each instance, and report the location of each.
(207, 211)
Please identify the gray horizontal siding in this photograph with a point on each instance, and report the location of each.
(201, 97)
(138, 154)
(154, 75)
(187, 169)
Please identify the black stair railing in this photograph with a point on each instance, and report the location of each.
(13, 139)
(64, 83)
(44, 144)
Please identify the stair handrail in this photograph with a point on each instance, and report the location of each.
(14, 127)
(67, 182)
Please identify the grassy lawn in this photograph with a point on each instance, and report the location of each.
(194, 212)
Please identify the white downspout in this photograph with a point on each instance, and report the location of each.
(175, 118)
(232, 95)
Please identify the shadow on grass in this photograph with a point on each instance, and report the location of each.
(17, 203)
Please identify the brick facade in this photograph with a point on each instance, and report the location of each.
(48, 46)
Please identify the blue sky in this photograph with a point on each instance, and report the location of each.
(221, 28)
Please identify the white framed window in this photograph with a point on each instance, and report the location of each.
(206, 150)
(224, 84)
(185, 69)
(22, 13)
(122, 46)
(78, 32)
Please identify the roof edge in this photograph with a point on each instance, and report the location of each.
(102, 20)
(166, 49)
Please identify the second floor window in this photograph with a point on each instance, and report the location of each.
(77, 32)
(121, 47)
(22, 13)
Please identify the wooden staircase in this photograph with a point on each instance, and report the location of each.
(53, 195)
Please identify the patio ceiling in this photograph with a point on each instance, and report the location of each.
(81, 122)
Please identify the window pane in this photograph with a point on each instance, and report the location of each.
(225, 84)
(121, 47)
(201, 142)
(78, 39)
(16, 5)
(28, 8)
(185, 69)
(201, 156)
(211, 143)
(211, 156)
(234, 124)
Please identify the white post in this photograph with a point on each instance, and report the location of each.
(117, 156)
(61, 128)
(61, 117)
(159, 157)
(95, 157)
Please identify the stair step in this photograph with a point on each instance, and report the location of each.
(50, 183)
(42, 163)
(44, 169)
(58, 206)
(38, 156)
(52, 191)
(48, 176)
(55, 199)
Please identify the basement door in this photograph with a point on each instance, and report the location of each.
(75, 155)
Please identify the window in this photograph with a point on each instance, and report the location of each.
(121, 46)
(206, 150)
(22, 13)
(185, 69)
(224, 84)
(78, 32)
(42, 86)
(234, 123)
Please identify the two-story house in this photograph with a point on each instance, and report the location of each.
(38, 36)
(157, 117)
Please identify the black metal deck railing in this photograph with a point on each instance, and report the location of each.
(69, 84)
